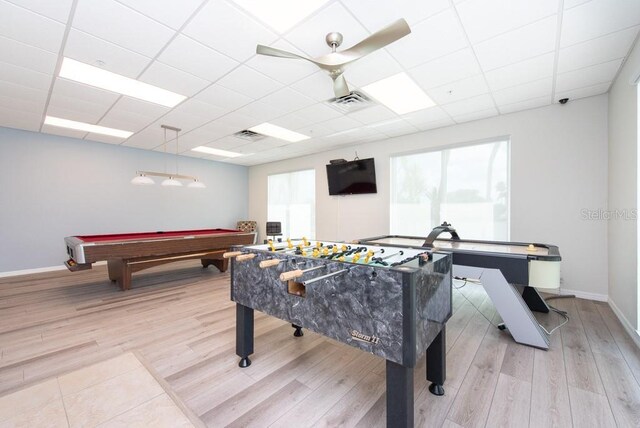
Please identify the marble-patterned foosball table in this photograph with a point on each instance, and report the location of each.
(390, 302)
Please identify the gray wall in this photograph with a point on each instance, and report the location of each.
(623, 189)
(558, 168)
(52, 187)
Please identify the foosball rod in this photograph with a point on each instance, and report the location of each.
(286, 276)
(320, 278)
(286, 247)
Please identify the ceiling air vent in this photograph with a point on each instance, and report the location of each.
(245, 134)
(349, 103)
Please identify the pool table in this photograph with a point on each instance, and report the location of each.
(126, 253)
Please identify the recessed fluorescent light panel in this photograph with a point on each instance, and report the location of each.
(278, 132)
(400, 93)
(87, 127)
(216, 152)
(103, 79)
(280, 15)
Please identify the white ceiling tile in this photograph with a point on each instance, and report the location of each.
(228, 30)
(125, 27)
(25, 76)
(588, 91)
(373, 67)
(342, 123)
(318, 113)
(238, 120)
(317, 86)
(568, 4)
(460, 90)
(188, 55)
(20, 104)
(169, 12)
(78, 110)
(595, 51)
(525, 105)
(526, 91)
(425, 116)
(172, 79)
(372, 114)
(94, 51)
(432, 38)
(26, 56)
(261, 112)
(84, 92)
(223, 97)
(122, 119)
(249, 82)
(395, 128)
(309, 36)
(483, 19)
(316, 130)
(227, 143)
(521, 72)
(456, 66)
(148, 138)
(182, 119)
(471, 105)
(284, 70)
(517, 45)
(30, 28)
(24, 93)
(194, 107)
(58, 9)
(291, 121)
(108, 139)
(588, 76)
(287, 100)
(483, 114)
(597, 18)
(376, 14)
(436, 124)
(139, 108)
(12, 118)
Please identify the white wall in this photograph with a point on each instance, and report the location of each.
(558, 168)
(623, 188)
(52, 187)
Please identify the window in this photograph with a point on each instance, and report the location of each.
(465, 186)
(292, 201)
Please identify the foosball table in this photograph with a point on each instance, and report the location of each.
(390, 302)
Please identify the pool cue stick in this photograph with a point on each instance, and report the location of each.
(286, 276)
(320, 278)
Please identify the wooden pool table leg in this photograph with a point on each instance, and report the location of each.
(120, 272)
(221, 264)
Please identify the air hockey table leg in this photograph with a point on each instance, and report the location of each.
(244, 334)
(399, 395)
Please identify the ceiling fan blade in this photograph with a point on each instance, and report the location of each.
(340, 87)
(269, 51)
(378, 40)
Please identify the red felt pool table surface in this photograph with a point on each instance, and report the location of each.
(152, 235)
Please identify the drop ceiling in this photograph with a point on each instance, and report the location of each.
(474, 58)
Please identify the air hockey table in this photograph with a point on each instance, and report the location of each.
(510, 272)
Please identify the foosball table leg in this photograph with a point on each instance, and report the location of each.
(244, 334)
(437, 363)
(298, 332)
(399, 395)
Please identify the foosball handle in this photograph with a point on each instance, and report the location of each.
(230, 254)
(286, 276)
(244, 257)
(268, 263)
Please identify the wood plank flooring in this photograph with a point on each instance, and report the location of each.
(179, 321)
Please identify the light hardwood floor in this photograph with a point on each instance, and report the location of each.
(179, 321)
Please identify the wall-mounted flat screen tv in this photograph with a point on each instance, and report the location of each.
(351, 178)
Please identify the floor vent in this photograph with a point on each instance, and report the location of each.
(245, 134)
(349, 103)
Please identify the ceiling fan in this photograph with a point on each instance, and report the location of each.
(335, 62)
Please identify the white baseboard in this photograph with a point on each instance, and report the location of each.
(635, 334)
(585, 295)
(39, 270)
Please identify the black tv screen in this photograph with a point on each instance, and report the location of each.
(350, 178)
